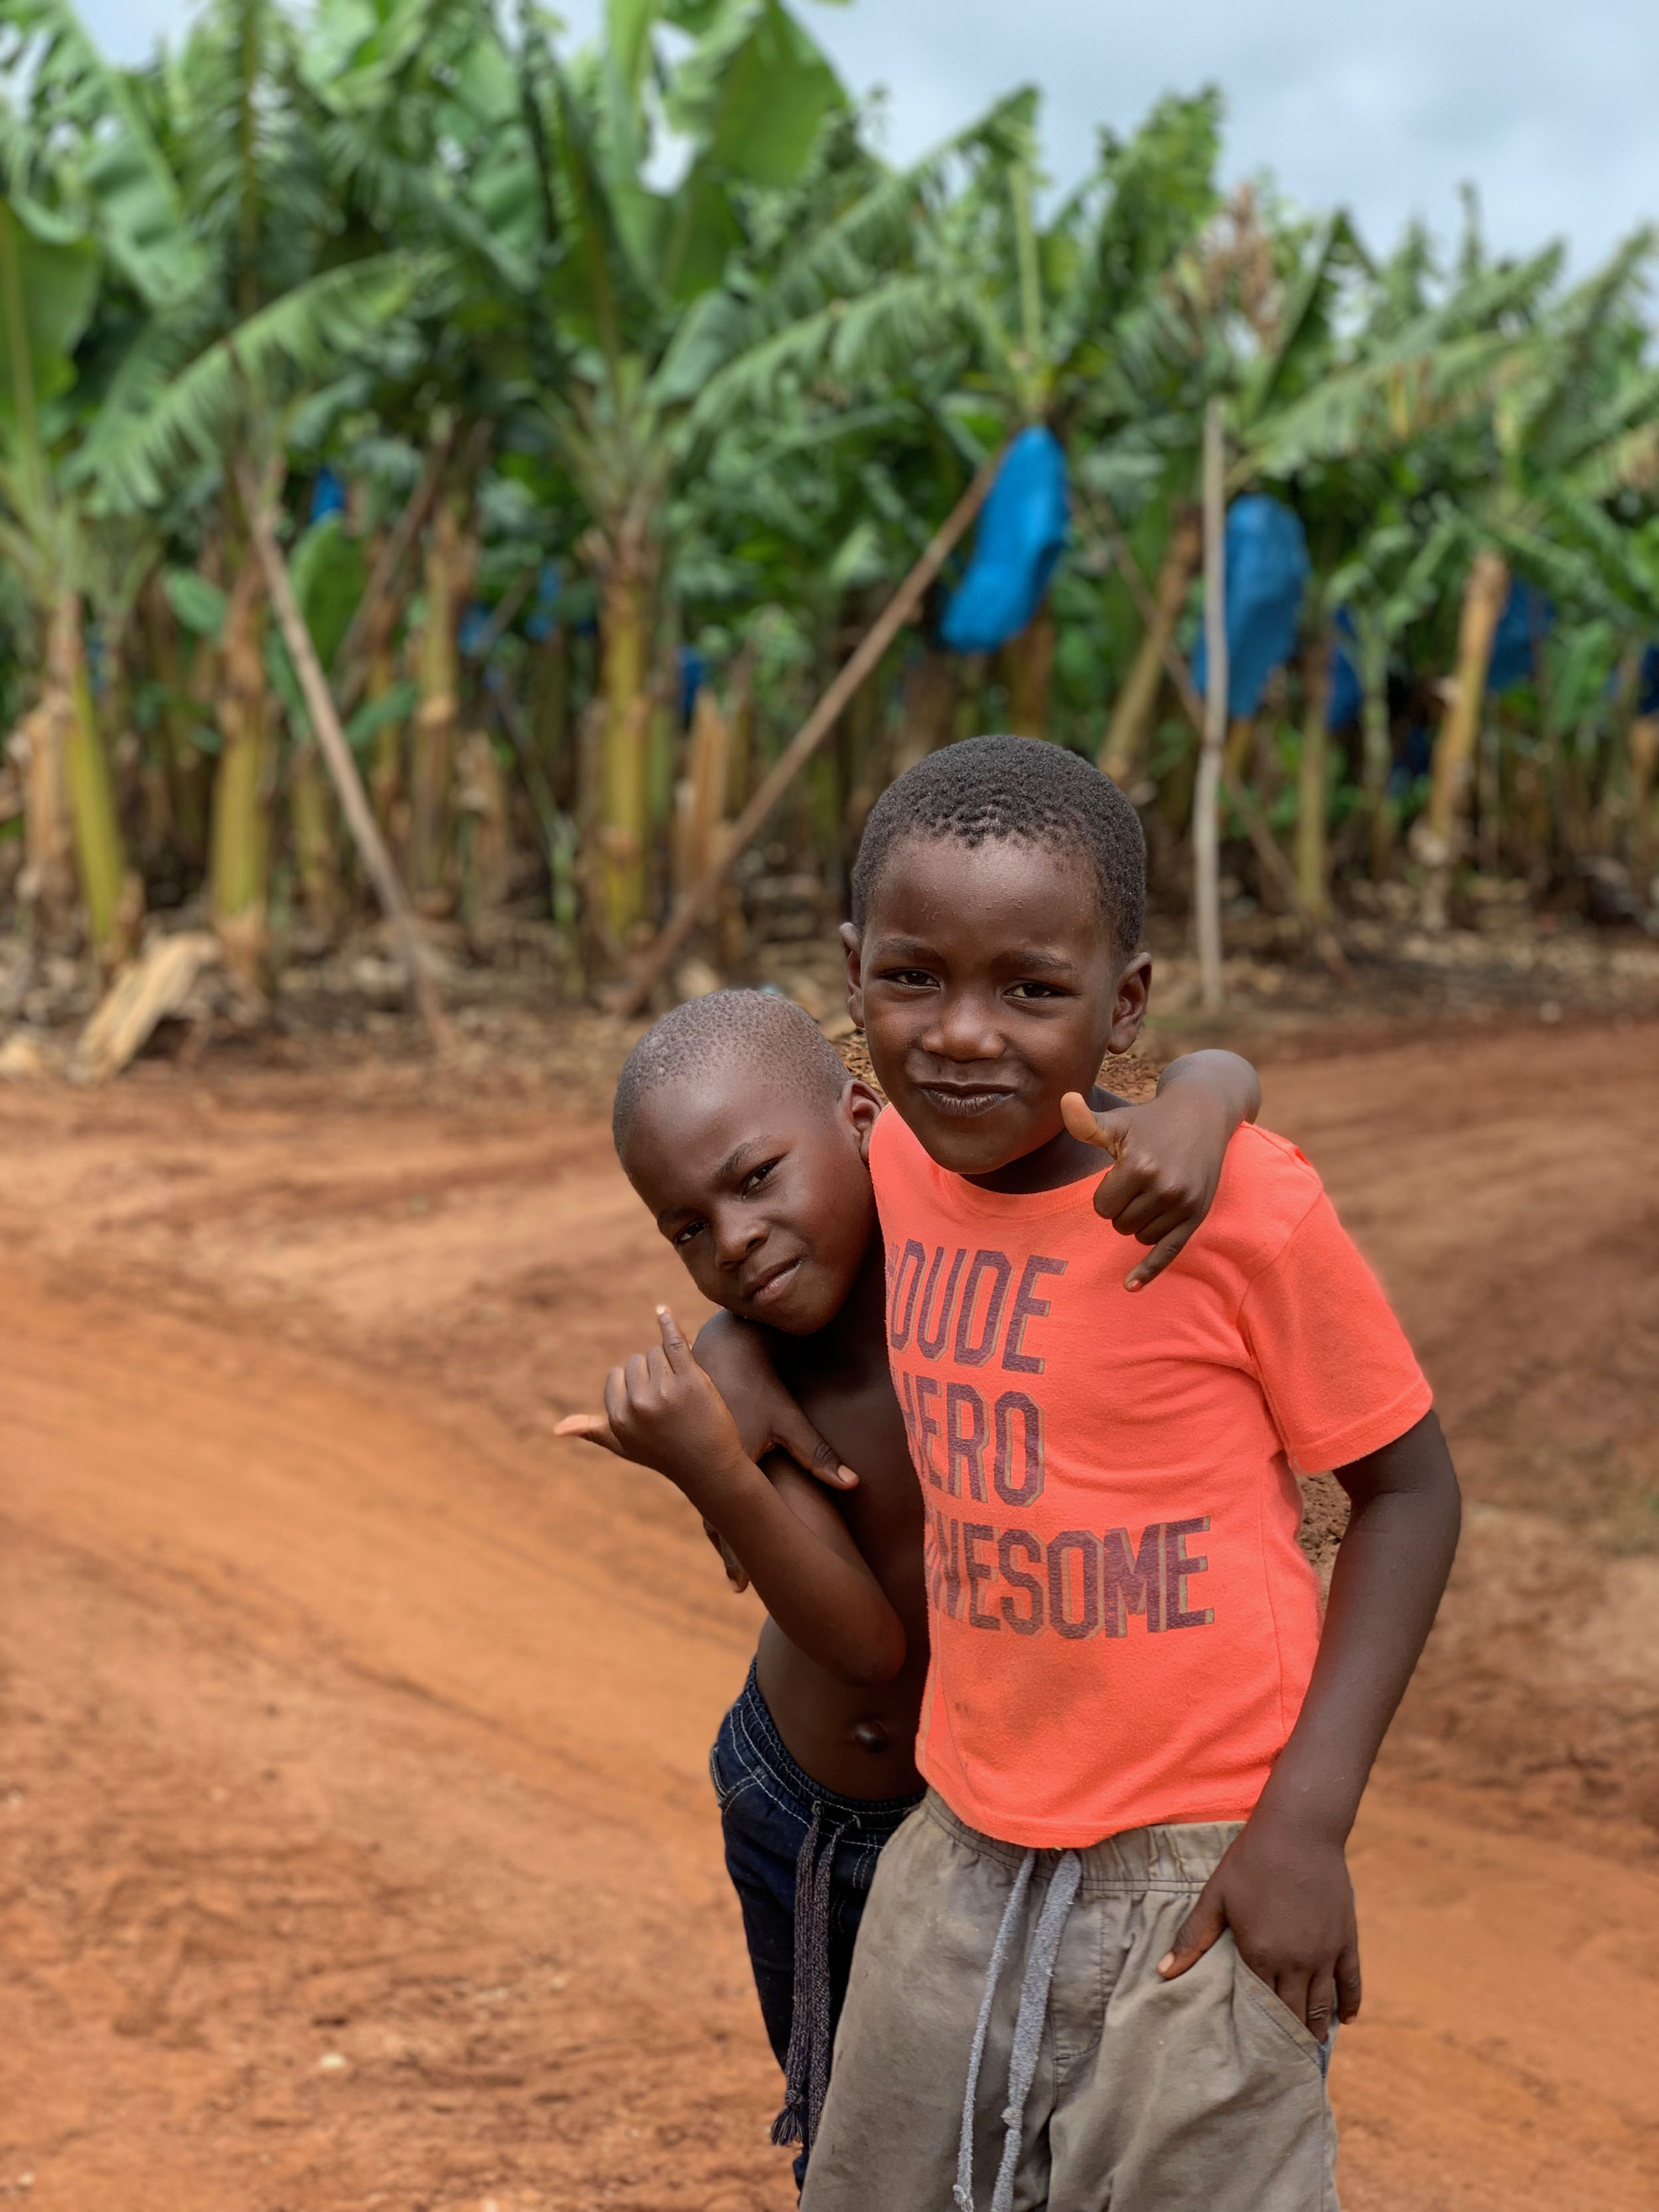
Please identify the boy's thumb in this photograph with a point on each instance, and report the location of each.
(592, 1429)
(1201, 1929)
(794, 1433)
(1084, 1124)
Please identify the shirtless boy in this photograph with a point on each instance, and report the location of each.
(740, 1128)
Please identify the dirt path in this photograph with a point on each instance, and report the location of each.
(354, 1845)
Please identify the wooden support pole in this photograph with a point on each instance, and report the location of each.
(806, 742)
(331, 739)
(1206, 796)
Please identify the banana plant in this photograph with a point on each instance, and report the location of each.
(639, 284)
(48, 291)
(274, 305)
(1573, 423)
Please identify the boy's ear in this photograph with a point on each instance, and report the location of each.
(852, 947)
(861, 1108)
(1134, 987)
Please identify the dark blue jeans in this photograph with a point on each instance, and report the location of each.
(789, 1841)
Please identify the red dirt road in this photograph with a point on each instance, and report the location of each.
(355, 1848)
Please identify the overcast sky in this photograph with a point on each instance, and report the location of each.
(1551, 111)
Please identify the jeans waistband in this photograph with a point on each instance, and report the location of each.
(1180, 1857)
(753, 1724)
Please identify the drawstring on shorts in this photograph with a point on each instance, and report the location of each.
(1028, 2023)
(806, 2070)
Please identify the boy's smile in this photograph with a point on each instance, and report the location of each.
(763, 1192)
(987, 986)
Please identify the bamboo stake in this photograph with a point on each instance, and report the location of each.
(331, 738)
(1206, 813)
(1266, 846)
(806, 742)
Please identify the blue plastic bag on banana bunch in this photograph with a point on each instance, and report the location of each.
(1266, 558)
(1021, 534)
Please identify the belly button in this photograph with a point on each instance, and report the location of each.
(870, 1735)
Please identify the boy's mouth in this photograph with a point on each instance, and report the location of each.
(963, 1101)
(771, 1283)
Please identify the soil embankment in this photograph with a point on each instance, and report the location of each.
(355, 1845)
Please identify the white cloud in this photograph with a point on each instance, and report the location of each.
(1549, 112)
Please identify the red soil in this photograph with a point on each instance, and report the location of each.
(354, 1845)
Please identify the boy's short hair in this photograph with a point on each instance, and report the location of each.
(1017, 789)
(769, 1035)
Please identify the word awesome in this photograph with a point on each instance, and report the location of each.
(1076, 1584)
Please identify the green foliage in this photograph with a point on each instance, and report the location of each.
(657, 312)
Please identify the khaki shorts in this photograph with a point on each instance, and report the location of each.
(1202, 2094)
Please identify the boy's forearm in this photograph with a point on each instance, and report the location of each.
(1234, 1081)
(1390, 1571)
(831, 1607)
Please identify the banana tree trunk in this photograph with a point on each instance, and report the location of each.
(113, 898)
(385, 774)
(48, 883)
(1377, 748)
(183, 765)
(486, 874)
(1029, 660)
(316, 839)
(1125, 736)
(700, 796)
(624, 762)
(451, 552)
(1313, 784)
(1643, 743)
(931, 685)
(386, 769)
(239, 863)
(549, 713)
(1437, 837)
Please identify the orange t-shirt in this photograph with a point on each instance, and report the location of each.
(1123, 1623)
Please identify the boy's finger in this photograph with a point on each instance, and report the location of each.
(634, 1376)
(678, 1351)
(793, 1433)
(1159, 1257)
(1292, 1991)
(1201, 1929)
(1118, 1189)
(616, 1399)
(592, 1429)
(1347, 1984)
(1144, 1207)
(1320, 2016)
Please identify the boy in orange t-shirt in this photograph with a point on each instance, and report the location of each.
(1103, 1960)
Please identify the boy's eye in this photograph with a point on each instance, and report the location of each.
(685, 1235)
(1033, 990)
(756, 1178)
(908, 978)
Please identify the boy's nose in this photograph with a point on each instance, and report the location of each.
(963, 1030)
(736, 1236)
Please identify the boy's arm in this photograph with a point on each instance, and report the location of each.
(737, 1355)
(1283, 1886)
(1169, 1153)
(664, 1412)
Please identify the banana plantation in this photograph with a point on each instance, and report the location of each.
(443, 472)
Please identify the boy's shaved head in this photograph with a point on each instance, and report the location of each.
(1021, 790)
(765, 1035)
